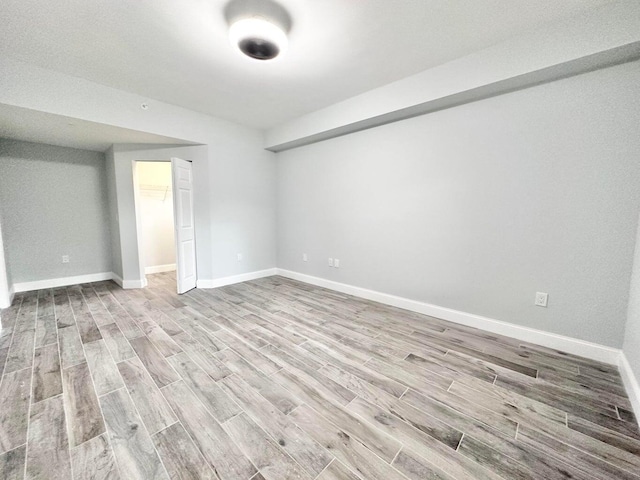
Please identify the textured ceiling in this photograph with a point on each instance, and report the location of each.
(178, 52)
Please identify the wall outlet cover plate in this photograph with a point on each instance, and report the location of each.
(542, 299)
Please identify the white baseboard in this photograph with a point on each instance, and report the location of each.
(7, 299)
(170, 267)
(61, 282)
(128, 284)
(244, 277)
(117, 278)
(571, 345)
(630, 384)
(65, 281)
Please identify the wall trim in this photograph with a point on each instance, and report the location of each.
(128, 284)
(61, 282)
(169, 267)
(65, 281)
(571, 345)
(8, 298)
(631, 384)
(243, 277)
(117, 278)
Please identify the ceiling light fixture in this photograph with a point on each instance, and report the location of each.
(258, 38)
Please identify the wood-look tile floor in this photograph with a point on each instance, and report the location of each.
(274, 379)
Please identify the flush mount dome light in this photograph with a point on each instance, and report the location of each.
(258, 38)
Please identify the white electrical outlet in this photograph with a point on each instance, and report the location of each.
(65, 258)
(239, 257)
(542, 299)
(336, 263)
(304, 257)
(331, 262)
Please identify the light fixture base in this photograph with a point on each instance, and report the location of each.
(258, 28)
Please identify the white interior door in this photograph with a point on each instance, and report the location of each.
(183, 217)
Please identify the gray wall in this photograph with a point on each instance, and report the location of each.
(242, 184)
(112, 204)
(477, 207)
(54, 203)
(236, 180)
(631, 346)
(234, 199)
(128, 240)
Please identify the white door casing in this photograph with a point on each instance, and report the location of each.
(182, 178)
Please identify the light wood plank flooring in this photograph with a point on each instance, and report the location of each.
(275, 379)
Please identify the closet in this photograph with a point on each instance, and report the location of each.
(155, 197)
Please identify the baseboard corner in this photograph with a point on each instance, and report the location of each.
(117, 278)
(7, 299)
(132, 284)
(631, 384)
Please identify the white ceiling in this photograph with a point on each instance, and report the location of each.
(40, 127)
(178, 52)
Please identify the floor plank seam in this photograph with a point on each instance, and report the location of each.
(104, 422)
(67, 431)
(26, 454)
(106, 432)
(325, 468)
(396, 455)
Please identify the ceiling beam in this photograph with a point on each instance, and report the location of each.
(597, 39)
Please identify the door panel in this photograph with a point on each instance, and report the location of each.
(184, 223)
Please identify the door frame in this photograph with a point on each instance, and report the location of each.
(139, 234)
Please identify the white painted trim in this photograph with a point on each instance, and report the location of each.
(571, 345)
(244, 277)
(61, 282)
(631, 384)
(128, 284)
(117, 278)
(170, 267)
(9, 298)
(65, 281)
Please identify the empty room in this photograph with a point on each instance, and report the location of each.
(320, 240)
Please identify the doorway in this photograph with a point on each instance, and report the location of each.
(165, 221)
